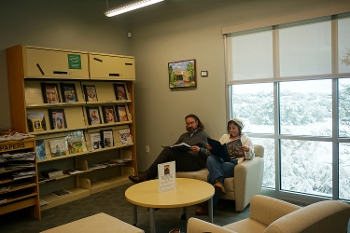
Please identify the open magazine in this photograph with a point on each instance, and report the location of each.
(179, 146)
(221, 150)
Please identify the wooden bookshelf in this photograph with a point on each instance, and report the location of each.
(29, 67)
(22, 193)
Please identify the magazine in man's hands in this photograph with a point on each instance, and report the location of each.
(218, 149)
(179, 146)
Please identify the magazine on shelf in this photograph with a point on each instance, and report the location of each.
(57, 119)
(93, 115)
(58, 147)
(76, 142)
(90, 93)
(60, 193)
(179, 146)
(107, 138)
(36, 122)
(167, 176)
(50, 93)
(108, 114)
(120, 91)
(40, 150)
(69, 93)
(95, 141)
(125, 136)
(123, 116)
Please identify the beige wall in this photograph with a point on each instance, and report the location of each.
(179, 33)
(66, 24)
(169, 31)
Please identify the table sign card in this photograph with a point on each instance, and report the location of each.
(167, 176)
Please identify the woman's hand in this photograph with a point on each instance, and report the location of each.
(208, 147)
(195, 149)
(244, 148)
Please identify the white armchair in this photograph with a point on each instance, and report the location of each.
(245, 184)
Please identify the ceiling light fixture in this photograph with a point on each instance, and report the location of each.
(130, 6)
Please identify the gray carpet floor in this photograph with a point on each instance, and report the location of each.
(113, 202)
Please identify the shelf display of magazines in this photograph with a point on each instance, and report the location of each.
(72, 143)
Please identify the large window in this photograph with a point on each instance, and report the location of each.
(290, 84)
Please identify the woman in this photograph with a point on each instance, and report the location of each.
(239, 147)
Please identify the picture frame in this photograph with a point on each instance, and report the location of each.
(93, 115)
(90, 93)
(120, 91)
(68, 92)
(57, 119)
(182, 74)
(122, 113)
(108, 113)
(50, 93)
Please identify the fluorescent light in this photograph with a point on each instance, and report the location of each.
(130, 6)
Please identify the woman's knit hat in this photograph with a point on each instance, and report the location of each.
(238, 122)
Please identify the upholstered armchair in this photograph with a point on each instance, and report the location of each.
(246, 183)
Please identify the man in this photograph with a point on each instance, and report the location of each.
(189, 160)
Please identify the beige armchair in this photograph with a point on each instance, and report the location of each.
(246, 183)
(271, 215)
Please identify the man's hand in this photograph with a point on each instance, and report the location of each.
(195, 149)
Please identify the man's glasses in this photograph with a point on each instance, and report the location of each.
(190, 123)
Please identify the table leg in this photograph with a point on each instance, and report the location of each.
(134, 212)
(152, 222)
(184, 214)
(210, 202)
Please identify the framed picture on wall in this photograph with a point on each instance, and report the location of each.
(182, 74)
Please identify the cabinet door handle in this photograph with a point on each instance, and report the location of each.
(60, 72)
(128, 64)
(41, 70)
(96, 59)
(114, 75)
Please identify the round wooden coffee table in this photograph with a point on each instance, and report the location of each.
(188, 192)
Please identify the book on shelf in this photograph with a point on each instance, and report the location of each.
(76, 142)
(222, 150)
(90, 93)
(122, 114)
(109, 115)
(93, 115)
(107, 138)
(50, 93)
(36, 122)
(72, 171)
(52, 173)
(58, 147)
(40, 150)
(167, 176)
(57, 119)
(95, 141)
(69, 93)
(60, 193)
(179, 146)
(43, 202)
(120, 91)
(125, 136)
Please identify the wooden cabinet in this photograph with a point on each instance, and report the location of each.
(52, 63)
(109, 66)
(32, 113)
(18, 177)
